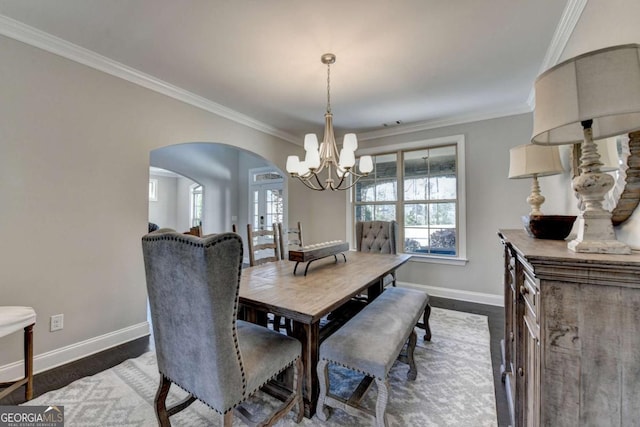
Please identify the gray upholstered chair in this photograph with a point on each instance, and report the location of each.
(380, 237)
(193, 285)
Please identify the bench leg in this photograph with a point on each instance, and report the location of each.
(411, 346)
(427, 328)
(381, 402)
(323, 378)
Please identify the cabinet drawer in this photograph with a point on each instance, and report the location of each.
(530, 291)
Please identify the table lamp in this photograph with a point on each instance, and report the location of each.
(533, 161)
(592, 96)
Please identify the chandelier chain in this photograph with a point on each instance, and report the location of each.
(328, 88)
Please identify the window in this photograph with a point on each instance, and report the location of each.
(421, 186)
(196, 205)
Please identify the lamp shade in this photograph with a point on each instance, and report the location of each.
(528, 160)
(603, 86)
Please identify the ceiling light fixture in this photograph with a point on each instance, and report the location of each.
(340, 167)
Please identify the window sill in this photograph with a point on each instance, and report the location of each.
(430, 259)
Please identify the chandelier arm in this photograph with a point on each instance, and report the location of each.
(319, 182)
(309, 185)
(337, 187)
(320, 168)
(352, 184)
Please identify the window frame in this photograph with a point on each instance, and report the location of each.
(399, 149)
(193, 190)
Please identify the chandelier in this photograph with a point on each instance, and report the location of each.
(339, 168)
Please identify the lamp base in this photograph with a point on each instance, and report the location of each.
(596, 235)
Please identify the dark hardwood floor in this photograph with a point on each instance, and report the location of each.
(63, 375)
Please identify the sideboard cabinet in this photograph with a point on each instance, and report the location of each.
(571, 350)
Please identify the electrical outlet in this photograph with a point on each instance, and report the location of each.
(57, 322)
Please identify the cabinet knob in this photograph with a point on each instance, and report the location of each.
(524, 290)
(511, 337)
(521, 372)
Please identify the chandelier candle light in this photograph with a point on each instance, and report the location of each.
(338, 167)
(533, 161)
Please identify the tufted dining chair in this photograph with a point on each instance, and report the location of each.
(382, 237)
(379, 237)
(193, 285)
(14, 319)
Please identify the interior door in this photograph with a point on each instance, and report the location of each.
(267, 198)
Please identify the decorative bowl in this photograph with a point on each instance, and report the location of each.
(552, 227)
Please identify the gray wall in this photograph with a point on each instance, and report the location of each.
(74, 169)
(493, 202)
(74, 172)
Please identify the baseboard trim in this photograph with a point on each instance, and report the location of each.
(457, 294)
(62, 356)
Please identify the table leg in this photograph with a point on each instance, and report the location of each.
(375, 290)
(255, 316)
(309, 336)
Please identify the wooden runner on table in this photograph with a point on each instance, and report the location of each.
(318, 251)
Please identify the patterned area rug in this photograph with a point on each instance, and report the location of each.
(454, 387)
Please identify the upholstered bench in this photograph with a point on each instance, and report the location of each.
(370, 343)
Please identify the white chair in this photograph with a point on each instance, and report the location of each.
(13, 319)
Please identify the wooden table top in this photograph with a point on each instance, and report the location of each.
(272, 287)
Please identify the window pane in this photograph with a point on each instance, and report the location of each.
(264, 177)
(430, 174)
(416, 188)
(416, 214)
(375, 213)
(442, 214)
(364, 213)
(381, 184)
(385, 213)
(274, 207)
(442, 187)
(416, 239)
(443, 241)
(442, 173)
(386, 191)
(365, 190)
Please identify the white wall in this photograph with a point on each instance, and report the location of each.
(603, 24)
(74, 170)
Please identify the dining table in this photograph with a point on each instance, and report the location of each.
(306, 300)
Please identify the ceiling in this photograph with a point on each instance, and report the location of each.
(417, 62)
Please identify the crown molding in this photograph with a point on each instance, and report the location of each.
(449, 121)
(32, 36)
(42, 40)
(564, 30)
